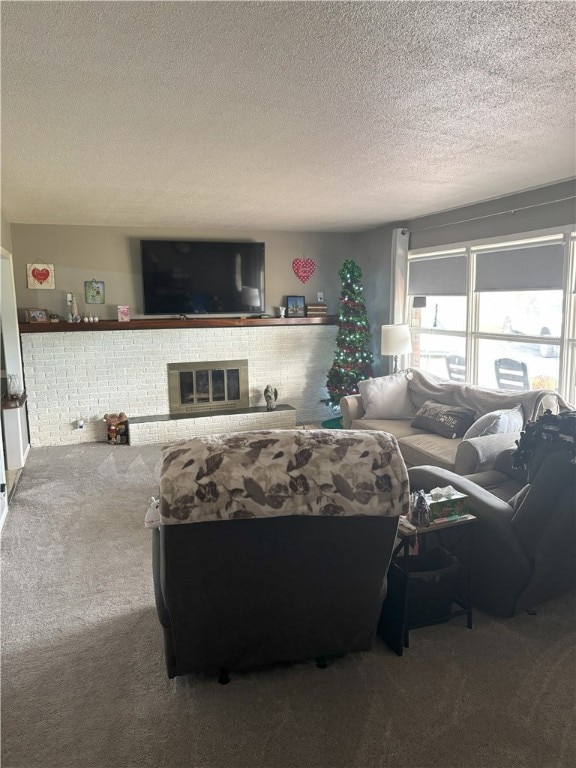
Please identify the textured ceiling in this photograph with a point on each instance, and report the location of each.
(280, 115)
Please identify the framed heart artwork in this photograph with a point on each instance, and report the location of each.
(40, 275)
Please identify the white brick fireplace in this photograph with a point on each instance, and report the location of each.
(85, 374)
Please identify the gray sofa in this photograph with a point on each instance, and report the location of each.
(404, 394)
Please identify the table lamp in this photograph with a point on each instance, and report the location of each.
(395, 341)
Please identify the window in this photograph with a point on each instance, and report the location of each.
(498, 306)
(438, 307)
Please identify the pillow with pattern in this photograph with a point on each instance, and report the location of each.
(446, 420)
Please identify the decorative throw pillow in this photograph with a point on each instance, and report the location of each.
(386, 397)
(446, 420)
(497, 422)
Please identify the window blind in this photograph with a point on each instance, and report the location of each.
(532, 268)
(438, 276)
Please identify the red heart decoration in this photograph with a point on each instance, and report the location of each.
(40, 275)
(303, 269)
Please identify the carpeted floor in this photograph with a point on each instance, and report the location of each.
(84, 685)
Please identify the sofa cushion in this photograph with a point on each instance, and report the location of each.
(386, 397)
(499, 483)
(497, 422)
(449, 421)
(426, 448)
(397, 427)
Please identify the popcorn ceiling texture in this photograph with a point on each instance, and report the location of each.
(283, 115)
(73, 375)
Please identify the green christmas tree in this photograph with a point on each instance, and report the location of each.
(353, 358)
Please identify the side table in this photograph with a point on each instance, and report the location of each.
(395, 619)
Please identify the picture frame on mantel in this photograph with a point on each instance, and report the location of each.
(37, 316)
(295, 306)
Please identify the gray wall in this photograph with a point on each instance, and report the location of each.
(498, 218)
(373, 254)
(495, 218)
(111, 254)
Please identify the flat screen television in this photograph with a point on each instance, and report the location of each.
(202, 277)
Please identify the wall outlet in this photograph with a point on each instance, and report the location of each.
(320, 295)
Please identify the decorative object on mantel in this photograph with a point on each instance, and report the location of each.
(40, 275)
(94, 291)
(73, 315)
(281, 311)
(270, 395)
(303, 269)
(319, 309)
(117, 428)
(295, 306)
(37, 316)
(353, 356)
(123, 313)
(54, 318)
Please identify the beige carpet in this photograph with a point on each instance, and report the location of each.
(84, 686)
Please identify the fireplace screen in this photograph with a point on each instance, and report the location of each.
(208, 386)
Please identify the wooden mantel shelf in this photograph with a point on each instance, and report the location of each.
(150, 324)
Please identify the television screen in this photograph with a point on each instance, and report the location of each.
(199, 278)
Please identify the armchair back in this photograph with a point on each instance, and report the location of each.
(274, 546)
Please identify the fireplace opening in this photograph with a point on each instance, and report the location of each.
(208, 386)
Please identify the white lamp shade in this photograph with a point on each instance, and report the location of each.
(396, 340)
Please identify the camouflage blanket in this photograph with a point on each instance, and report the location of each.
(283, 472)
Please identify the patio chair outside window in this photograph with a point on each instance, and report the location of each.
(511, 374)
(456, 365)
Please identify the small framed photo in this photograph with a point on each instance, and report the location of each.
(37, 316)
(94, 291)
(295, 306)
(123, 313)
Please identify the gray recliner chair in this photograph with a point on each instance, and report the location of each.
(274, 546)
(524, 549)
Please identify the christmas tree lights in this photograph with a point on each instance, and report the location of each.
(353, 357)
